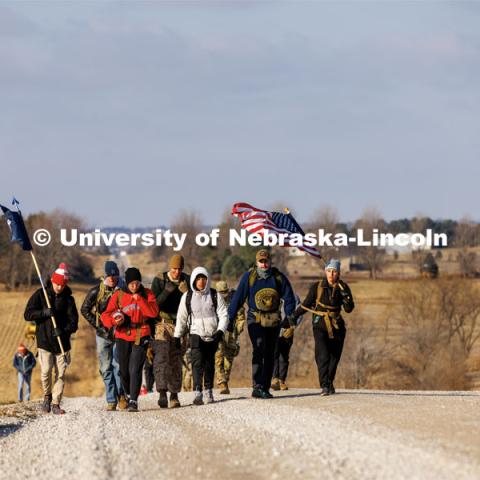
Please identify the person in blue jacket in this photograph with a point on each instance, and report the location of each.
(24, 362)
(263, 286)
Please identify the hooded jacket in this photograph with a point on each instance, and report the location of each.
(205, 321)
(137, 312)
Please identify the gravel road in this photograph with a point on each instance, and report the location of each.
(354, 434)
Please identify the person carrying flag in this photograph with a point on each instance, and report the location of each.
(325, 300)
(51, 338)
(263, 286)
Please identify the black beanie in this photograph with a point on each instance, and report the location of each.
(132, 274)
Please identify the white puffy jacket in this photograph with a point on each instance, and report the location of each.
(205, 321)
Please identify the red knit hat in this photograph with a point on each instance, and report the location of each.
(60, 275)
(22, 348)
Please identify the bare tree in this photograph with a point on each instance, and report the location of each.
(189, 222)
(374, 257)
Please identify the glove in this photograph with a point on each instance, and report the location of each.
(183, 287)
(57, 332)
(288, 332)
(170, 287)
(150, 354)
(118, 317)
(178, 342)
(218, 336)
(47, 312)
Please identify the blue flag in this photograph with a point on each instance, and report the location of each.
(17, 227)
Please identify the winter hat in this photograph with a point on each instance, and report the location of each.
(132, 274)
(221, 286)
(22, 348)
(111, 269)
(262, 255)
(333, 264)
(176, 261)
(60, 275)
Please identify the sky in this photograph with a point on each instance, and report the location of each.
(125, 113)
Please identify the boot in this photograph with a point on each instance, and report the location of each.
(325, 392)
(47, 403)
(174, 401)
(259, 393)
(122, 402)
(163, 399)
(283, 386)
(275, 384)
(132, 406)
(224, 390)
(56, 410)
(331, 389)
(111, 407)
(198, 400)
(209, 396)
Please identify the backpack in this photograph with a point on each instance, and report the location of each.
(188, 304)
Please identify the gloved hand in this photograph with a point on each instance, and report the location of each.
(47, 312)
(183, 287)
(118, 317)
(288, 332)
(170, 287)
(57, 332)
(178, 342)
(218, 336)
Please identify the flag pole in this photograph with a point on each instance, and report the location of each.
(287, 211)
(47, 299)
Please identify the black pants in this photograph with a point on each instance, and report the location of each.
(282, 355)
(149, 378)
(203, 362)
(263, 342)
(131, 358)
(327, 354)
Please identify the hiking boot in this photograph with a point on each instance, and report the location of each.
(111, 407)
(47, 404)
(132, 406)
(209, 396)
(143, 391)
(325, 392)
(198, 400)
(331, 389)
(267, 394)
(122, 402)
(275, 384)
(163, 399)
(224, 390)
(283, 386)
(259, 393)
(174, 401)
(56, 410)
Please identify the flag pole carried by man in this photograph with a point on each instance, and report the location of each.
(19, 234)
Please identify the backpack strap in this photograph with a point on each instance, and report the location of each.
(188, 304)
(276, 274)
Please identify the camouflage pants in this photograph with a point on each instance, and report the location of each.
(226, 352)
(187, 384)
(167, 360)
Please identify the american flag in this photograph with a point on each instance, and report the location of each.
(258, 221)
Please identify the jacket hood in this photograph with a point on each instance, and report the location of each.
(196, 272)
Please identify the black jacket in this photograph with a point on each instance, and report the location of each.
(168, 302)
(66, 316)
(90, 308)
(329, 296)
